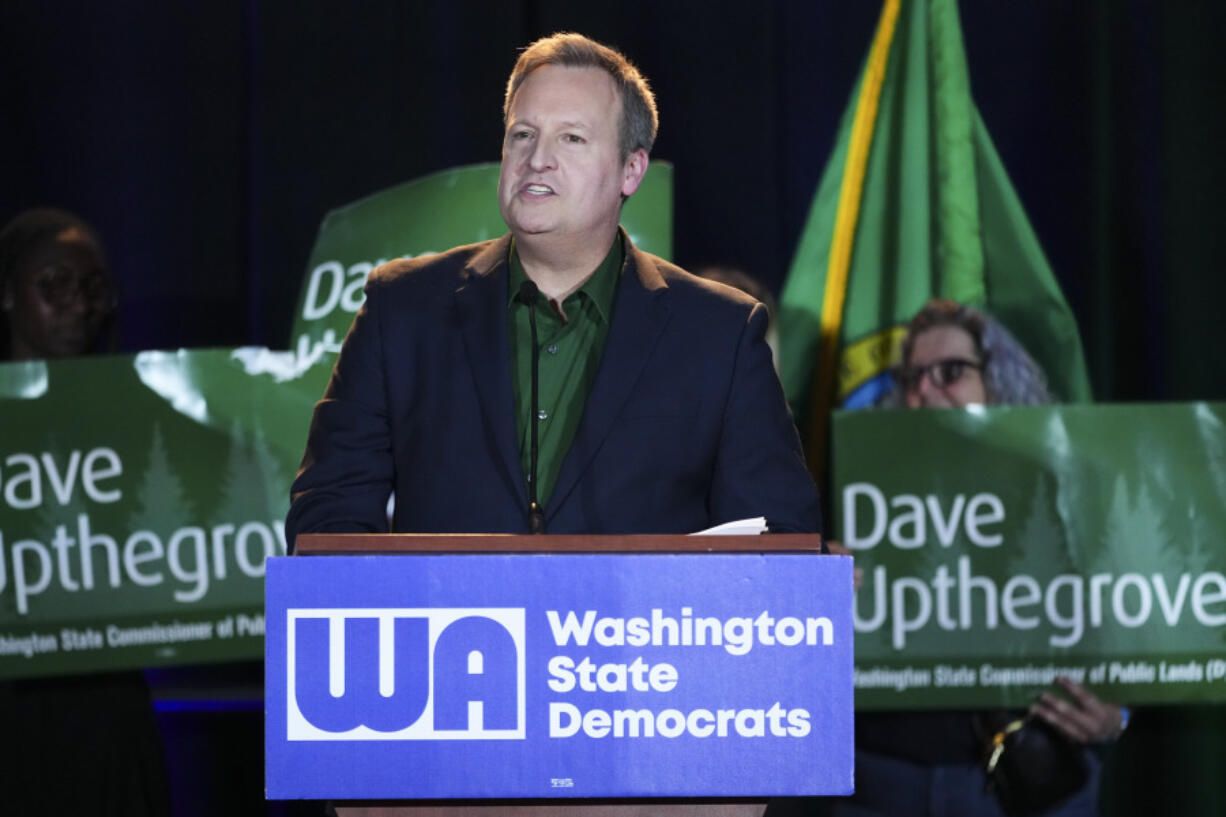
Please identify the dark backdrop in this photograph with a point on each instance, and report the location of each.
(206, 141)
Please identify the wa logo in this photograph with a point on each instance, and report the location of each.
(406, 674)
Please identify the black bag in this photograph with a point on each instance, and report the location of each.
(1032, 767)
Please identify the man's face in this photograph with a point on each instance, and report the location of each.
(562, 172)
(57, 299)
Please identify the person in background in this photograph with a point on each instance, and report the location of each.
(56, 294)
(955, 356)
(932, 763)
(81, 744)
(751, 286)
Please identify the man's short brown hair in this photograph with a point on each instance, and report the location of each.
(639, 120)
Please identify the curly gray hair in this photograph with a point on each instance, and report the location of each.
(1010, 375)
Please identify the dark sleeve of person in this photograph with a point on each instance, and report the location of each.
(347, 470)
(760, 467)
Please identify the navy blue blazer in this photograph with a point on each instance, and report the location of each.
(685, 426)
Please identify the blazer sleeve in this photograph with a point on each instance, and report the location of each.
(760, 467)
(347, 470)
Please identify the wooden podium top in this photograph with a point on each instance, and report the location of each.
(336, 544)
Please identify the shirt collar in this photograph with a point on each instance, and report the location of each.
(600, 287)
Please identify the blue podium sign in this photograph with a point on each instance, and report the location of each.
(551, 675)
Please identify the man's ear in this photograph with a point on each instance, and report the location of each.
(633, 172)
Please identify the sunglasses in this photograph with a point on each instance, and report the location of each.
(60, 287)
(941, 373)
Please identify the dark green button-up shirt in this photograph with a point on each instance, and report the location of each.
(569, 352)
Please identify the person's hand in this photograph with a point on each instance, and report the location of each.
(857, 574)
(1084, 718)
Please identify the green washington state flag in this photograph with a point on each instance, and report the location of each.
(914, 203)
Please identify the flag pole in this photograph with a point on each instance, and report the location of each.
(846, 218)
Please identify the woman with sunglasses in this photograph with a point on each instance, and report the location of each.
(955, 356)
(932, 763)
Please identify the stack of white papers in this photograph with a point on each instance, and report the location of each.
(741, 527)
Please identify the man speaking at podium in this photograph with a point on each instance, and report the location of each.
(557, 379)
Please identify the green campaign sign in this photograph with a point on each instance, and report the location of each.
(138, 502)
(1003, 546)
(141, 494)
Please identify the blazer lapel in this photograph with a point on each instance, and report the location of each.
(639, 317)
(482, 309)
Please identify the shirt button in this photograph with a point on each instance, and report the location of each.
(542, 415)
(552, 348)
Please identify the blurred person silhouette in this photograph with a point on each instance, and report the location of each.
(740, 279)
(933, 762)
(81, 744)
